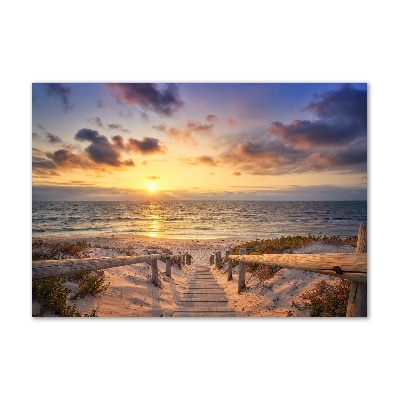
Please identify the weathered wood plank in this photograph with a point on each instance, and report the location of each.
(341, 265)
(51, 268)
(212, 259)
(168, 267)
(242, 271)
(154, 271)
(357, 305)
(227, 254)
(202, 314)
(218, 258)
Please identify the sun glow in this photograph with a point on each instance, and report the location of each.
(151, 187)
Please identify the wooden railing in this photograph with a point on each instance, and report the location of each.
(43, 269)
(352, 266)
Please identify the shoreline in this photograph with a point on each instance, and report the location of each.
(134, 236)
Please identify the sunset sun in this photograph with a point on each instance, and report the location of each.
(152, 187)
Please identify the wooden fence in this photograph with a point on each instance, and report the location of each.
(352, 266)
(43, 269)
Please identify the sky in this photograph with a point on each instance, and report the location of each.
(206, 141)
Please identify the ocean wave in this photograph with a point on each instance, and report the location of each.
(263, 219)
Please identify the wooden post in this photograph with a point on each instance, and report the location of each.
(227, 254)
(184, 259)
(212, 259)
(242, 272)
(357, 305)
(168, 266)
(179, 261)
(154, 271)
(188, 259)
(218, 258)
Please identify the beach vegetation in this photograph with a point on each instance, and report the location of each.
(322, 300)
(288, 243)
(53, 294)
(52, 297)
(90, 284)
(49, 250)
(284, 244)
(326, 299)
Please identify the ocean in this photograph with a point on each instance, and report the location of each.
(199, 219)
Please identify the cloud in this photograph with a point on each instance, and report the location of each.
(118, 127)
(100, 124)
(144, 116)
(42, 166)
(118, 141)
(231, 122)
(348, 102)
(49, 163)
(212, 119)
(82, 191)
(262, 157)
(160, 128)
(36, 151)
(202, 160)
(184, 136)
(206, 160)
(161, 99)
(237, 173)
(273, 157)
(147, 145)
(42, 163)
(335, 141)
(313, 133)
(96, 121)
(95, 192)
(35, 135)
(152, 177)
(202, 129)
(188, 132)
(101, 150)
(66, 159)
(341, 119)
(38, 172)
(344, 159)
(53, 138)
(61, 92)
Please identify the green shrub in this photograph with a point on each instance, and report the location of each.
(284, 243)
(326, 299)
(52, 296)
(49, 250)
(91, 283)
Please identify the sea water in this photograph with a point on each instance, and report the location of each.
(199, 219)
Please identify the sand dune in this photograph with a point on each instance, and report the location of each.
(131, 294)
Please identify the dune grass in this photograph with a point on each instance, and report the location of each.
(324, 299)
(52, 294)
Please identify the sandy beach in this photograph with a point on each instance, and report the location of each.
(131, 294)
